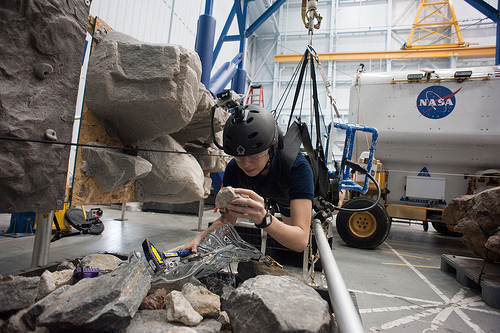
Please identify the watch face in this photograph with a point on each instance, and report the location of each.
(268, 219)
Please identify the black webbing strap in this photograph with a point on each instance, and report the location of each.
(316, 156)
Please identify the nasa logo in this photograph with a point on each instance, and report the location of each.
(436, 102)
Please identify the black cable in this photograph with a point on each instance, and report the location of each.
(358, 168)
(214, 139)
(123, 149)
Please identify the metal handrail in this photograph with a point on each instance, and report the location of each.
(347, 316)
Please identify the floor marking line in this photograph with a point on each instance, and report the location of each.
(406, 298)
(459, 297)
(396, 308)
(432, 286)
(405, 255)
(493, 312)
(438, 321)
(395, 264)
(468, 321)
(406, 320)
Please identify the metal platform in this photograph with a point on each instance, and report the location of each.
(475, 273)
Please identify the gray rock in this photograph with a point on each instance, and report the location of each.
(477, 217)
(200, 124)
(106, 303)
(111, 168)
(142, 90)
(155, 321)
(17, 292)
(175, 178)
(252, 268)
(208, 325)
(152, 321)
(40, 71)
(277, 304)
(180, 310)
(224, 320)
(34, 311)
(210, 158)
(219, 287)
(65, 265)
(14, 324)
(183, 330)
(46, 286)
(105, 262)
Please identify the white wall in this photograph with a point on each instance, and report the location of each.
(165, 21)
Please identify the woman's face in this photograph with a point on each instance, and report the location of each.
(252, 165)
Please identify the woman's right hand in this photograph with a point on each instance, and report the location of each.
(192, 245)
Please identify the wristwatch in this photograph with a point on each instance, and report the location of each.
(266, 221)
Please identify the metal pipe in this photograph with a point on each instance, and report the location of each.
(41, 245)
(345, 312)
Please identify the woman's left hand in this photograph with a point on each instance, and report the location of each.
(251, 208)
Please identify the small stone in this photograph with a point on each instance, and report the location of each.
(224, 198)
(179, 309)
(202, 300)
(224, 320)
(46, 286)
(155, 301)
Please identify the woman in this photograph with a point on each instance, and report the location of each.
(258, 171)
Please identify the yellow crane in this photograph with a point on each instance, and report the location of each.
(435, 19)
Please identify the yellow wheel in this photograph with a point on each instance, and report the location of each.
(362, 224)
(364, 229)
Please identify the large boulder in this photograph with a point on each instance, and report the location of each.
(176, 176)
(140, 90)
(277, 304)
(201, 123)
(112, 168)
(41, 53)
(106, 303)
(477, 217)
(17, 292)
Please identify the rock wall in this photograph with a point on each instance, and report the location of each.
(136, 93)
(41, 47)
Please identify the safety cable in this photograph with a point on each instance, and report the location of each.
(126, 150)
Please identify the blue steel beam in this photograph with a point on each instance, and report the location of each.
(239, 14)
(240, 11)
(209, 6)
(494, 15)
(262, 18)
(485, 8)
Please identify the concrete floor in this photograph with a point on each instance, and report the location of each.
(399, 286)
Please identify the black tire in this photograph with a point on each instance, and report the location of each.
(364, 230)
(74, 216)
(425, 225)
(96, 228)
(445, 229)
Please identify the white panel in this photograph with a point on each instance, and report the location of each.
(150, 20)
(425, 187)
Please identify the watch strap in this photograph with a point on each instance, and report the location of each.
(266, 221)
